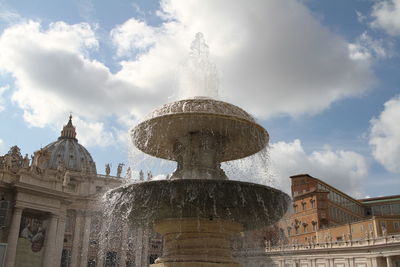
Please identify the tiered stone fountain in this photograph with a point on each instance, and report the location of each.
(198, 210)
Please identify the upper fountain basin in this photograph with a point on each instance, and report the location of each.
(242, 136)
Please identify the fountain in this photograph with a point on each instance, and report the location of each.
(198, 209)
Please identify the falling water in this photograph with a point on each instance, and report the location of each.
(198, 76)
(199, 133)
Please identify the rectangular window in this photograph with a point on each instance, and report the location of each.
(386, 210)
(314, 226)
(376, 210)
(396, 209)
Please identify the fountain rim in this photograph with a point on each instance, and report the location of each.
(269, 193)
(198, 180)
(139, 128)
(153, 114)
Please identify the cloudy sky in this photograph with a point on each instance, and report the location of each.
(322, 77)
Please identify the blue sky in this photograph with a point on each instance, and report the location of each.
(321, 76)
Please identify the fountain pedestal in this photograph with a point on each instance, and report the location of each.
(190, 242)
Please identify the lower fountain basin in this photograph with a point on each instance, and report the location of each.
(252, 205)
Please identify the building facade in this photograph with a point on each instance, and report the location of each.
(323, 213)
(328, 228)
(51, 215)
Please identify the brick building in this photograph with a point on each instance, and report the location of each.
(323, 213)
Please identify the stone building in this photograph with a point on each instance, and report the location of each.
(324, 213)
(50, 213)
(328, 228)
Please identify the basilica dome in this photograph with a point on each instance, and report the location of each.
(67, 153)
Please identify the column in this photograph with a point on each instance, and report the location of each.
(103, 243)
(124, 244)
(389, 262)
(350, 262)
(139, 248)
(374, 262)
(60, 239)
(330, 263)
(85, 240)
(76, 241)
(145, 250)
(369, 262)
(50, 247)
(13, 236)
(313, 263)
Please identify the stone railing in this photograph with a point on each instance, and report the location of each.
(390, 239)
(109, 176)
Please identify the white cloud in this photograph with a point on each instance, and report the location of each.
(367, 48)
(274, 56)
(133, 37)
(343, 169)
(2, 90)
(385, 136)
(55, 76)
(386, 16)
(93, 133)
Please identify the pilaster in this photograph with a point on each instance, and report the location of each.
(85, 239)
(76, 241)
(389, 262)
(124, 245)
(13, 236)
(50, 245)
(60, 238)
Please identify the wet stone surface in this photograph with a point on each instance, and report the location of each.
(252, 205)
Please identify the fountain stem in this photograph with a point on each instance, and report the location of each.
(198, 155)
(190, 242)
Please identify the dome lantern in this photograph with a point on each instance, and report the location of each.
(68, 130)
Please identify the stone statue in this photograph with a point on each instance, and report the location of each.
(119, 169)
(25, 163)
(149, 176)
(8, 162)
(384, 231)
(141, 175)
(167, 177)
(108, 169)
